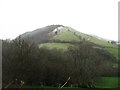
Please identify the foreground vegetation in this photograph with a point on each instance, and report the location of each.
(65, 88)
(25, 64)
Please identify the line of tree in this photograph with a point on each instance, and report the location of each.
(24, 61)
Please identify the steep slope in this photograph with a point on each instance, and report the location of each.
(65, 35)
(62, 33)
(68, 34)
(92, 38)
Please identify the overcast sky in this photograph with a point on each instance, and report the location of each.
(98, 17)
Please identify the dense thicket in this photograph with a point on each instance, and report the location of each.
(24, 61)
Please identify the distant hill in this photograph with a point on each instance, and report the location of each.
(62, 37)
(62, 33)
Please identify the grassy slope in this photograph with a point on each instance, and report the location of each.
(66, 35)
(92, 39)
(63, 46)
(113, 49)
(63, 36)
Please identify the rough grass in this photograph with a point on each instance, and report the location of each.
(107, 82)
(63, 46)
(93, 39)
(73, 35)
(102, 82)
(55, 88)
(101, 42)
(66, 36)
(64, 88)
(96, 40)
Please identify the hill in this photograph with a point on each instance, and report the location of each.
(40, 34)
(62, 33)
(60, 53)
(62, 37)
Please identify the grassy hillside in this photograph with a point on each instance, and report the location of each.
(69, 34)
(63, 46)
(66, 36)
(92, 38)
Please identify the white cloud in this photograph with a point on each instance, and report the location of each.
(97, 17)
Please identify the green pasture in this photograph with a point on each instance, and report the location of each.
(107, 82)
(63, 46)
(66, 36)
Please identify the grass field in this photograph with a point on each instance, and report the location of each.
(66, 36)
(63, 46)
(108, 82)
